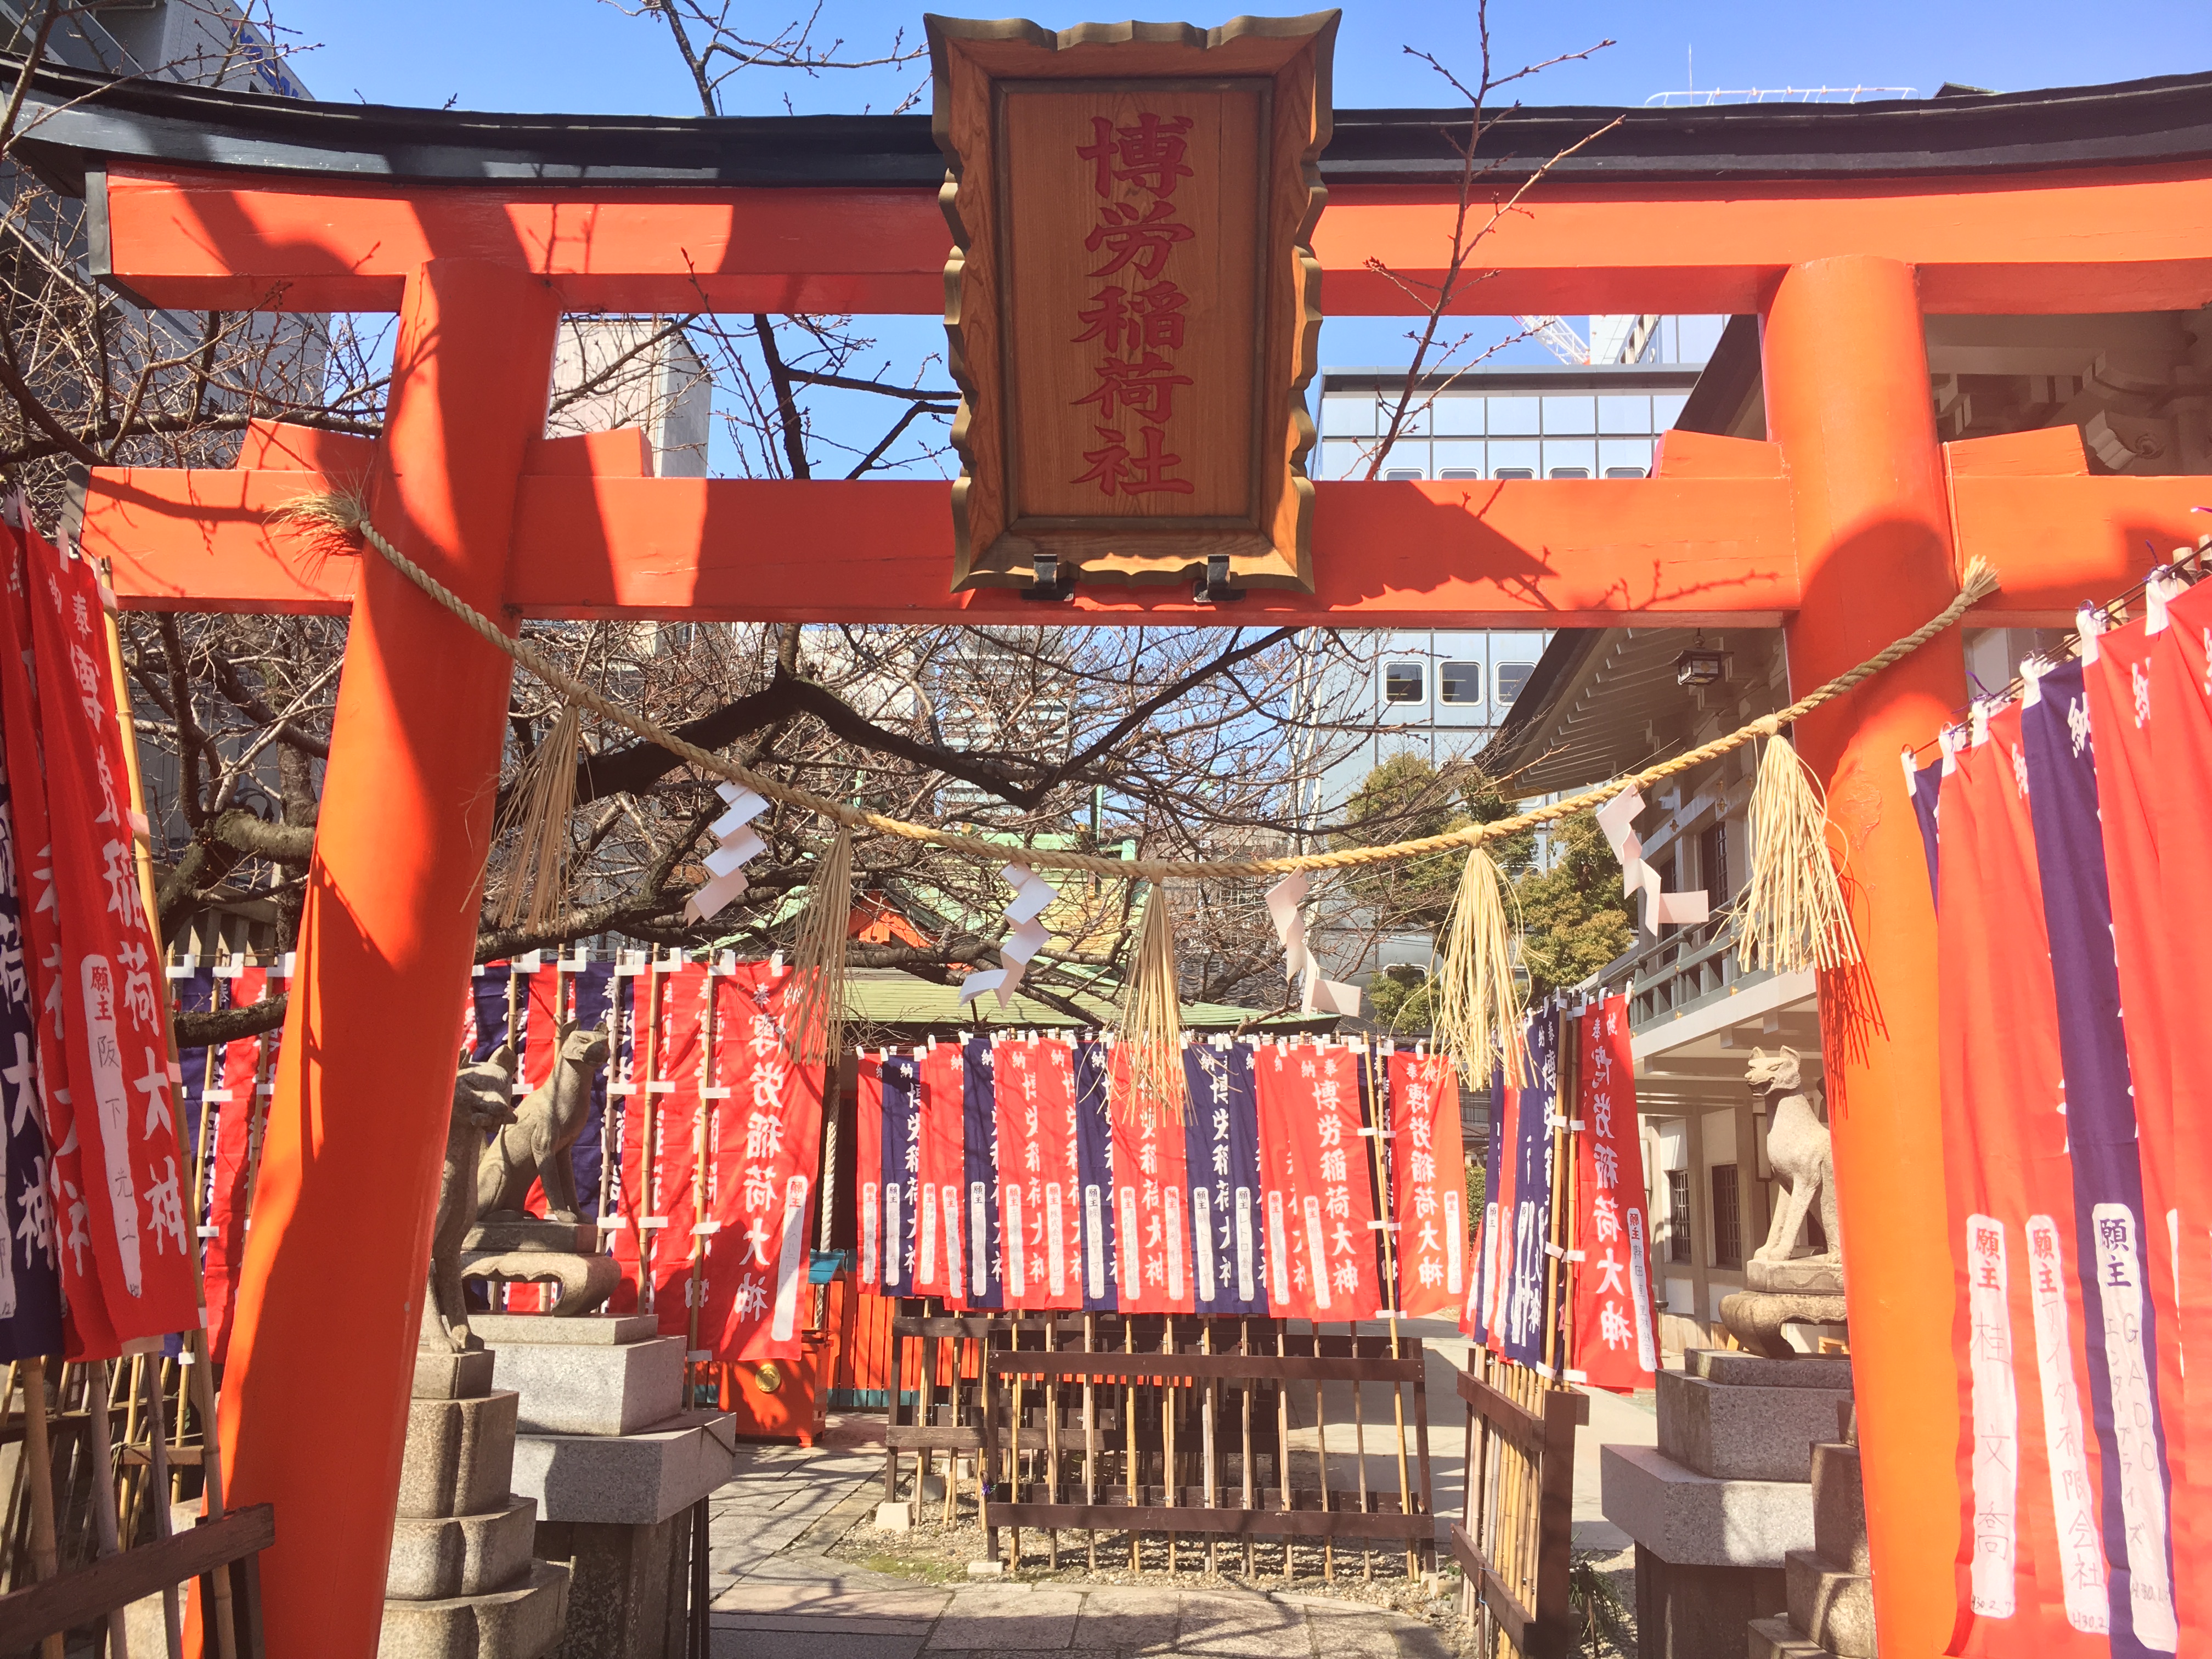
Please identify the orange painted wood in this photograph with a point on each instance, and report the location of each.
(2045, 452)
(1549, 552)
(1846, 371)
(2058, 542)
(2122, 239)
(330, 1293)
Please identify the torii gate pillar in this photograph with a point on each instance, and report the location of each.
(332, 1287)
(1846, 374)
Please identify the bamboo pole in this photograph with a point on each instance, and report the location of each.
(1251, 1491)
(1168, 1437)
(39, 1470)
(1321, 1442)
(158, 1457)
(194, 1357)
(1129, 1434)
(99, 1454)
(1052, 1438)
(1213, 1468)
(1379, 1117)
(648, 1235)
(1283, 1442)
(1091, 1432)
(1012, 1464)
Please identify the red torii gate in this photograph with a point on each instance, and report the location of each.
(1848, 528)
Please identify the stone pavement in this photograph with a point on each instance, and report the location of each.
(786, 1598)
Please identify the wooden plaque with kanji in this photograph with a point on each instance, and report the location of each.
(1132, 304)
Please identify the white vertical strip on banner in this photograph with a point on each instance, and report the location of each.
(1997, 1420)
(791, 1261)
(2073, 1504)
(2142, 1494)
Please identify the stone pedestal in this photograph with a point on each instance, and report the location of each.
(1830, 1586)
(462, 1583)
(614, 1463)
(1718, 1507)
(529, 1250)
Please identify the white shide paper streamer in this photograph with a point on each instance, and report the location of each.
(1317, 994)
(734, 843)
(1660, 908)
(1026, 938)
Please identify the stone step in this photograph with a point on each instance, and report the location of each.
(1744, 1430)
(1834, 1606)
(460, 1458)
(608, 1389)
(521, 1622)
(636, 1479)
(1777, 1638)
(595, 1330)
(460, 1555)
(1733, 1368)
(1839, 1529)
(442, 1374)
(1692, 1519)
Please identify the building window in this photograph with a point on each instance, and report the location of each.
(1728, 1219)
(1517, 472)
(1461, 682)
(1712, 865)
(1401, 683)
(1570, 472)
(1624, 473)
(1451, 472)
(1403, 474)
(1512, 676)
(1678, 1215)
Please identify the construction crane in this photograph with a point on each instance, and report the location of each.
(1558, 338)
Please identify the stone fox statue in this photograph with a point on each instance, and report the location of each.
(484, 1098)
(1798, 1147)
(534, 1146)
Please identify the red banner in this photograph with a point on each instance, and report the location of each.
(673, 1098)
(1151, 1200)
(239, 1091)
(940, 1263)
(1493, 1266)
(2030, 1568)
(1039, 1173)
(769, 1145)
(124, 1203)
(1318, 1191)
(2181, 806)
(1616, 1342)
(1428, 1197)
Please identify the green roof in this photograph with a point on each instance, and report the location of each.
(887, 997)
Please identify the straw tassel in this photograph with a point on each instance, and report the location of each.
(1151, 1018)
(1477, 1000)
(1794, 914)
(817, 1017)
(536, 890)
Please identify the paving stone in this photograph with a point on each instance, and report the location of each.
(1240, 1624)
(767, 1596)
(1133, 1619)
(1008, 1619)
(1348, 1631)
(734, 1639)
(1777, 1638)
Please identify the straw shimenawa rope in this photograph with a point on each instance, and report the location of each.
(1477, 1000)
(537, 886)
(1151, 1021)
(346, 515)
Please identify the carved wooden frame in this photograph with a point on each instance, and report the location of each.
(1271, 545)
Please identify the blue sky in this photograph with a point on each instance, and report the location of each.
(589, 57)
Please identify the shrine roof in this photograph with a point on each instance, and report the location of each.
(73, 121)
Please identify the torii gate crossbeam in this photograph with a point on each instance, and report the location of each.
(1849, 526)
